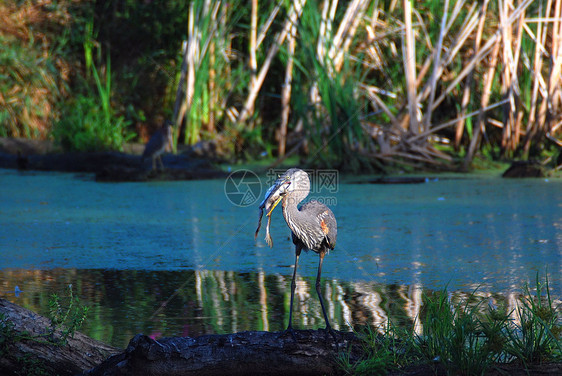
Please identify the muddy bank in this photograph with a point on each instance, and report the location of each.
(23, 154)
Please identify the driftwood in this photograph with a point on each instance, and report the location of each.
(113, 166)
(27, 342)
(27, 346)
(396, 180)
(245, 353)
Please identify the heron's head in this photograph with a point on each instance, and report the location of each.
(292, 181)
(296, 180)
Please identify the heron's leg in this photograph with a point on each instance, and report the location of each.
(293, 286)
(153, 163)
(328, 327)
(161, 163)
(321, 254)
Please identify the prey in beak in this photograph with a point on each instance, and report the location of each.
(273, 197)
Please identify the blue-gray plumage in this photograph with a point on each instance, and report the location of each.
(313, 225)
(158, 143)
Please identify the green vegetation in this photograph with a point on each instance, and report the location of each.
(89, 123)
(67, 315)
(357, 85)
(383, 351)
(465, 338)
(538, 334)
(29, 85)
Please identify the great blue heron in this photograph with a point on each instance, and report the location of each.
(157, 144)
(313, 226)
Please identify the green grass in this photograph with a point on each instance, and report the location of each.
(458, 336)
(88, 122)
(385, 350)
(535, 335)
(66, 315)
(465, 338)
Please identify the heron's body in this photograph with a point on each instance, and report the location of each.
(316, 229)
(313, 225)
(157, 144)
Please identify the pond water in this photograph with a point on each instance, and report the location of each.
(179, 258)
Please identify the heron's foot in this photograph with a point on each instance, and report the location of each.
(329, 330)
(290, 331)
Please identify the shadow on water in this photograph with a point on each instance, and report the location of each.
(179, 258)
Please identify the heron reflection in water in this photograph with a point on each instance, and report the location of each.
(313, 226)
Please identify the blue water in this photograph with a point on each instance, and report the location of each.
(463, 232)
(133, 241)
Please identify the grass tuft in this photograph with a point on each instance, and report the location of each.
(466, 337)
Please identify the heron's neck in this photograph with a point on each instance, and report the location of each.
(291, 211)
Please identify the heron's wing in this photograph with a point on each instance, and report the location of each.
(324, 219)
(332, 225)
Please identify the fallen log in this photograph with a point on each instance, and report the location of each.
(311, 352)
(28, 342)
(29, 345)
(111, 166)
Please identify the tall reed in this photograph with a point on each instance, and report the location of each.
(408, 81)
(88, 121)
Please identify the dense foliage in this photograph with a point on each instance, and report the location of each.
(357, 85)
